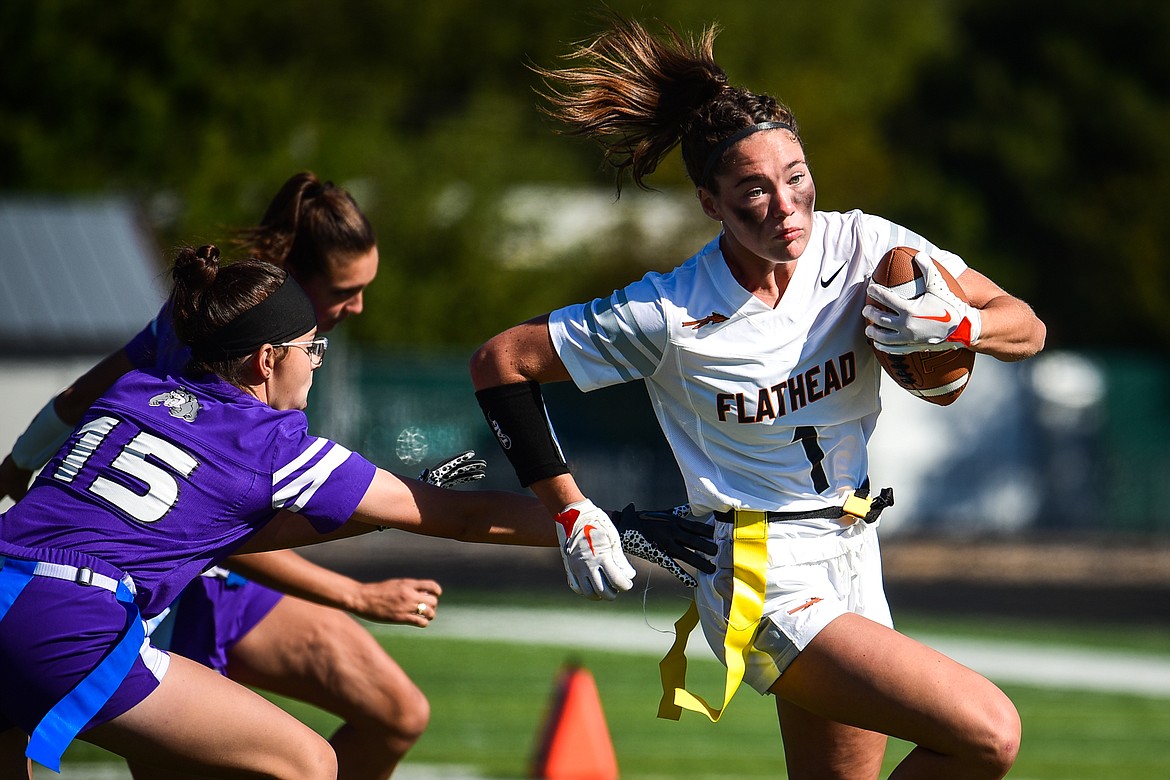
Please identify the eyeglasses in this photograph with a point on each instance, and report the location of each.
(315, 349)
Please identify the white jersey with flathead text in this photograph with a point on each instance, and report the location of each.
(765, 408)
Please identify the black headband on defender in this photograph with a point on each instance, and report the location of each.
(282, 316)
(717, 153)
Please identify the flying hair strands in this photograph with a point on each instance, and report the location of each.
(635, 94)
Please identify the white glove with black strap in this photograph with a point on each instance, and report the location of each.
(591, 550)
(935, 321)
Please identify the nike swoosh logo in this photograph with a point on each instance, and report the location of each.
(588, 531)
(827, 282)
(937, 318)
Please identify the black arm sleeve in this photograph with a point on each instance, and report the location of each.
(517, 417)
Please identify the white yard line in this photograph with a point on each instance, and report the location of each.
(1045, 666)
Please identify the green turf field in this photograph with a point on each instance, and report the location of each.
(489, 699)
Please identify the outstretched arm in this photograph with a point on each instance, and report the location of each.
(486, 516)
(388, 601)
(491, 516)
(396, 600)
(55, 422)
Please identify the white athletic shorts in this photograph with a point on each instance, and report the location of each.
(800, 600)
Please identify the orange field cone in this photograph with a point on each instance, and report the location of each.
(575, 743)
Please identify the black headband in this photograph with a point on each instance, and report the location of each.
(282, 316)
(717, 153)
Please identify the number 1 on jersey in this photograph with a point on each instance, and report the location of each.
(807, 436)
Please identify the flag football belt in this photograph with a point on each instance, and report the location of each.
(69, 715)
(858, 505)
(749, 569)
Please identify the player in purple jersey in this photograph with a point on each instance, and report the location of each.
(166, 475)
(768, 320)
(302, 646)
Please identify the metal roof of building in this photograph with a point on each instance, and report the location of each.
(76, 275)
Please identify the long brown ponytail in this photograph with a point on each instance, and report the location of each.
(308, 226)
(638, 96)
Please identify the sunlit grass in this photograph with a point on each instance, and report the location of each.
(489, 700)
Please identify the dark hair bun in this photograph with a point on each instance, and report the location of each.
(196, 269)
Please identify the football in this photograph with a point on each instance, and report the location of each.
(938, 377)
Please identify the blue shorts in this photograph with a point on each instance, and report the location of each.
(55, 633)
(213, 613)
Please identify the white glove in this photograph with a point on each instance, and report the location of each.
(591, 550)
(934, 320)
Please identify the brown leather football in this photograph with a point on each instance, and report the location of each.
(938, 377)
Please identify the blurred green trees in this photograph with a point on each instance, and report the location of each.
(1039, 141)
(1032, 139)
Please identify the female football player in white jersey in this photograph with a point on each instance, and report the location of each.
(755, 356)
